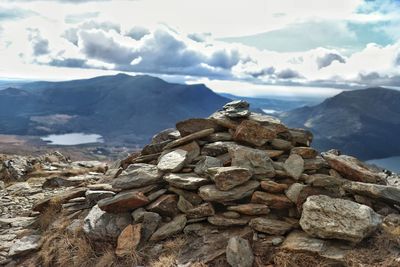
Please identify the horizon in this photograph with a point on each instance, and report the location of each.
(260, 48)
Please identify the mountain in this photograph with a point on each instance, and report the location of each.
(118, 107)
(364, 123)
(270, 105)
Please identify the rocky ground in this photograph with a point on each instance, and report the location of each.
(236, 189)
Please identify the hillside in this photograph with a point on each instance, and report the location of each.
(364, 123)
(131, 108)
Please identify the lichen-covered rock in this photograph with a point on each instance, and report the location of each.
(327, 217)
(188, 181)
(212, 193)
(102, 226)
(226, 178)
(138, 175)
(173, 161)
(171, 228)
(255, 160)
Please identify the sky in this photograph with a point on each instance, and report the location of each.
(246, 47)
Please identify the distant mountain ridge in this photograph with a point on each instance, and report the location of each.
(352, 119)
(120, 106)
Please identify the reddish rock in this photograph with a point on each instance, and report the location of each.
(270, 226)
(165, 205)
(253, 133)
(128, 240)
(190, 126)
(203, 210)
(251, 209)
(226, 178)
(305, 152)
(273, 187)
(123, 202)
(273, 201)
(352, 169)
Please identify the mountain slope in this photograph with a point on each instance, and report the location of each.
(352, 119)
(120, 106)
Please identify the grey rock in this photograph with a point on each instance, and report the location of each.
(385, 193)
(173, 161)
(188, 181)
(270, 226)
(226, 178)
(205, 163)
(327, 217)
(93, 196)
(237, 109)
(102, 226)
(294, 166)
(211, 192)
(255, 160)
(239, 253)
(294, 191)
(171, 228)
(138, 175)
(24, 245)
(151, 221)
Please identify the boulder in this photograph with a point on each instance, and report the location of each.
(102, 226)
(212, 193)
(257, 161)
(173, 161)
(252, 132)
(327, 217)
(188, 181)
(138, 175)
(123, 202)
(171, 228)
(352, 169)
(239, 253)
(226, 178)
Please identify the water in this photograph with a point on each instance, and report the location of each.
(72, 139)
(269, 111)
(392, 163)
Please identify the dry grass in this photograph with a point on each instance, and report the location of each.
(287, 259)
(164, 261)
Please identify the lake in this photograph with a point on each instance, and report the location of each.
(392, 163)
(72, 139)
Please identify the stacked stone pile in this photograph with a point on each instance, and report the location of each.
(241, 186)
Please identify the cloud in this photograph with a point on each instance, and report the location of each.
(77, 18)
(137, 32)
(328, 58)
(14, 13)
(71, 34)
(39, 44)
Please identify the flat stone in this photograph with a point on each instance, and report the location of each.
(327, 217)
(58, 199)
(138, 175)
(274, 153)
(205, 163)
(173, 161)
(231, 214)
(221, 119)
(315, 164)
(300, 242)
(123, 202)
(270, 226)
(252, 132)
(191, 126)
(189, 138)
(165, 205)
(128, 240)
(268, 121)
(165, 135)
(385, 193)
(93, 196)
(250, 209)
(305, 152)
(156, 194)
(188, 181)
(217, 148)
(273, 187)
(273, 201)
(237, 109)
(294, 166)
(226, 178)
(301, 137)
(239, 253)
(138, 214)
(352, 169)
(171, 228)
(25, 245)
(220, 136)
(220, 220)
(211, 192)
(201, 211)
(102, 226)
(255, 160)
(281, 144)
